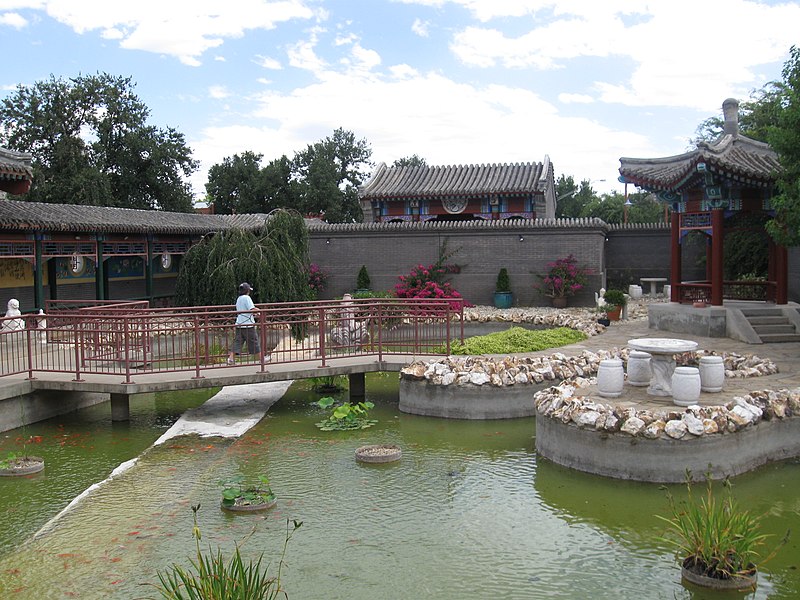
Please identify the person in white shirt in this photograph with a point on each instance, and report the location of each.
(246, 330)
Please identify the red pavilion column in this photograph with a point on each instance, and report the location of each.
(675, 258)
(717, 255)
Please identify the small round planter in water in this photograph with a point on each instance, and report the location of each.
(378, 453)
(24, 465)
(744, 582)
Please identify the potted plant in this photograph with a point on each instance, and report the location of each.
(717, 543)
(362, 280)
(614, 301)
(564, 278)
(22, 464)
(240, 495)
(503, 298)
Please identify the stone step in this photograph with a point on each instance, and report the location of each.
(767, 320)
(774, 338)
(767, 329)
(762, 312)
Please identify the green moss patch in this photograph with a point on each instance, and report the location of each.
(517, 339)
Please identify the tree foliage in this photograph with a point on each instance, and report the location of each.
(410, 161)
(582, 201)
(784, 138)
(91, 144)
(273, 260)
(321, 179)
(329, 173)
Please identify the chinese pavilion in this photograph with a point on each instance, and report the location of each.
(706, 189)
(459, 193)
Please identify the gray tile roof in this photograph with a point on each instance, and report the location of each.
(461, 180)
(733, 156)
(15, 165)
(20, 216)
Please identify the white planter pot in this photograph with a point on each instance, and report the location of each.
(686, 386)
(639, 371)
(712, 373)
(610, 378)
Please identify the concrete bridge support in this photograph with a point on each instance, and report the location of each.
(120, 407)
(358, 386)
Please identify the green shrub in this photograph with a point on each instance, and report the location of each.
(518, 339)
(615, 298)
(362, 279)
(503, 282)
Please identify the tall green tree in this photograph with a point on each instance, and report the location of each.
(91, 144)
(784, 137)
(239, 184)
(571, 198)
(328, 175)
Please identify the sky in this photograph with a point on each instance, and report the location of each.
(457, 82)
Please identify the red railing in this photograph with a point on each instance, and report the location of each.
(731, 290)
(126, 338)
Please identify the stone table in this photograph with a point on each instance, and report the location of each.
(653, 281)
(663, 362)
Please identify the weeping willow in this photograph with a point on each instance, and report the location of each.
(273, 260)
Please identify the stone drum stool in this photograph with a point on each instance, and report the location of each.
(712, 373)
(639, 372)
(686, 386)
(610, 378)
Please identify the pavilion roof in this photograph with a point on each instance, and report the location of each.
(15, 165)
(732, 156)
(40, 216)
(457, 180)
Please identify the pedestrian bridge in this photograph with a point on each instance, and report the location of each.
(127, 348)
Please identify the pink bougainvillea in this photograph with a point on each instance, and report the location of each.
(563, 278)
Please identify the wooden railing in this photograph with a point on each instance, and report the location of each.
(731, 290)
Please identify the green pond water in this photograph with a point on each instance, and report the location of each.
(468, 512)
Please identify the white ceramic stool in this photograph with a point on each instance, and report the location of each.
(686, 386)
(610, 378)
(639, 371)
(712, 373)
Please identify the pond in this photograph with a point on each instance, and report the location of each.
(468, 512)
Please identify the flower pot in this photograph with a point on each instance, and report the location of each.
(693, 574)
(24, 465)
(503, 299)
(613, 315)
(604, 321)
(686, 386)
(559, 302)
(712, 373)
(610, 378)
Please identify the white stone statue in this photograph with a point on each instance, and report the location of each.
(598, 298)
(12, 324)
(41, 326)
(348, 331)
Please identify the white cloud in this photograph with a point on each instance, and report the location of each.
(575, 98)
(218, 92)
(12, 19)
(267, 62)
(658, 40)
(181, 28)
(421, 28)
(416, 114)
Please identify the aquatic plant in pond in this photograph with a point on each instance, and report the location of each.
(712, 537)
(239, 492)
(517, 339)
(346, 416)
(211, 578)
